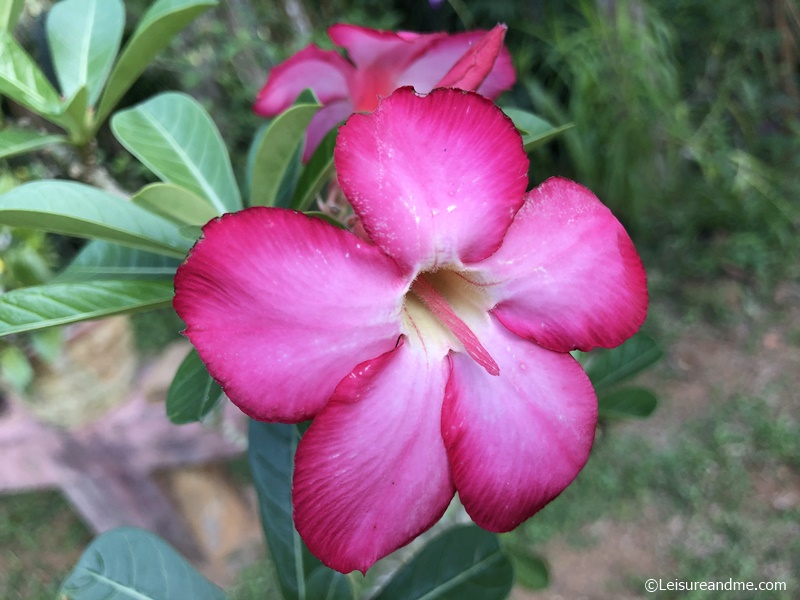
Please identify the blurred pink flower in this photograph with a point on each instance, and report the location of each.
(433, 351)
(380, 62)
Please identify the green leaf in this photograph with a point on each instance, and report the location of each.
(301, 575)
(84, 38)
(20, 141)
(608, 367)
(283, 196)
(99, 260)
(628, 402)
(9, 13)
(173, 135)
(535, 130)
(534, 140)
(325, 584)
(316, 172)
(37, 307)
(463, 563)
(175, 203)
(274, 151)
(191, 233)
(15, 368)
(530, 570)
(75, 209)
(159, 25)
(133, 564)
(48, 343)
(193, 393)
(325, 217)
(75, 116)
(23, 81)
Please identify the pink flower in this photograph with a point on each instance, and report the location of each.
(433, 356)
(382, 61)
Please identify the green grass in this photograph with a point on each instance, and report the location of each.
(708, 478)
(40, 541)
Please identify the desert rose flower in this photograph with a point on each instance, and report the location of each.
(433, 352)
(380, 62)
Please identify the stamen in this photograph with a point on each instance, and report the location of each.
(437, 304)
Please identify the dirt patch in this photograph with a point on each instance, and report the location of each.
(707, 366)
(612, 565)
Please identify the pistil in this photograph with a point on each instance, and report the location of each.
(440, 309)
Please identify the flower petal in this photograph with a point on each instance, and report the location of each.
(517, 440)
(435, 179)
(367, 47)
(567, 274)
(281, 307)
(327, 117)
(475, 65)
(442, 55)
(371, 473)
(379, 57)
(324, 71)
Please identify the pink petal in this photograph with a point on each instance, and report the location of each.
(435, 179)
(380, 57)
(366, 47)
(372, 473)
(517, 440)
(475, 65)
(281, 307)
(567, 274)
(328, 117)
(324, 71)
(442, 55)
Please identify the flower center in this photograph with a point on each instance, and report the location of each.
(439, 292)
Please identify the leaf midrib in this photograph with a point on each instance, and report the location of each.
(196, 173)
(461, 577)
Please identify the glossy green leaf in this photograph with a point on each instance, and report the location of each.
(20, 141)
(608, 367)
(190, 233)
(463, 563)
(274, 151)
(133, 564)
(301, 576)
(159, 25)
(99, 260)
(10, 11)
(23, 81)
(173, 135)
(283, 197)
(75, 209)
(75, 118)
(37, 307)
(535, 130)
(193, 393)
(318, 170)
(635, 402)
(175, 203)
(534, 140)
(84, 38)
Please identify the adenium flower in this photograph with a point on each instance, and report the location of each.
(433, 351)
(380, 62)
